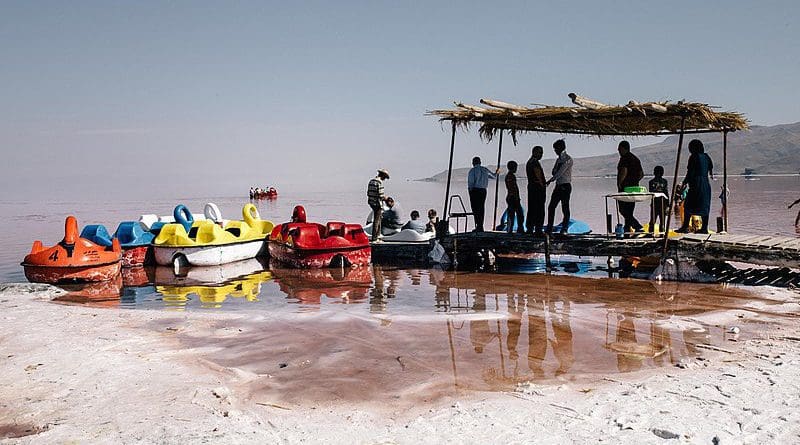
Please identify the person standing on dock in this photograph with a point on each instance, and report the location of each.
(562, 176)
(660, 205)
(477, 182)
(513, 200)
(537, 191)
(375, 198)
(698, 199)
(629, 173)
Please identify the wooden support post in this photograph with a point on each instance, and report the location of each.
(674, 191)
(449, 172)
(725, 180)
(497, 182)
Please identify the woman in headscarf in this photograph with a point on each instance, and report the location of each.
(698, 199)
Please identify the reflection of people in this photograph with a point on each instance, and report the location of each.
(514, 323)
(659, 205)
(377, 296)
(562, 176)
(477, 182)
(629, 173)
(562, 330)
(414, 223)
(513, 200)
(375, 198)
(537, 337)
(537, 191)
(479, 332)
(698, 199)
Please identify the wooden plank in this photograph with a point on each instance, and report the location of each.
(747, 240)
(761, 240)
(791, 244)
(696, 237)
(774, 240)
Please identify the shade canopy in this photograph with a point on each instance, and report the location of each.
(593, 118)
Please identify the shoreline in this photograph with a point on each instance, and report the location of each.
(76, 373)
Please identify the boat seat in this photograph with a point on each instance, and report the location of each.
(205, 232)
(352, 230)
(97, 234)
(334, 228)
(129, 232)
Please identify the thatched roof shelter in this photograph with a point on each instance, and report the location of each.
(593, 118)
(590, 117)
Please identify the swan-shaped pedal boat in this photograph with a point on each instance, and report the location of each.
(74, 259)
(206, 243)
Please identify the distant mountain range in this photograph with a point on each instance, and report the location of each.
(764, 150)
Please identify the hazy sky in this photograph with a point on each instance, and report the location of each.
(221, 95)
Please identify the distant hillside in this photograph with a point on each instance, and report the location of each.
(766, 150)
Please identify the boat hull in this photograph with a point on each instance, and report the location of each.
(315, 259)
(214, 255)
(75, 274)
(137, 256)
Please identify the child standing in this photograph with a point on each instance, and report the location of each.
(659, 204)
(513, 200)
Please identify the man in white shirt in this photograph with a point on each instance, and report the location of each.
(477, 182)
(562, 175)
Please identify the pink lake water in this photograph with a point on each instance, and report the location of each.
(755, 207)
(432, 332)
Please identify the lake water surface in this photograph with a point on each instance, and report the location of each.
(391, 329)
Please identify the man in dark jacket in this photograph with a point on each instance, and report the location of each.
(537, 191)
(629, 173)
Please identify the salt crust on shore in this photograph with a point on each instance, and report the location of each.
(83, 375)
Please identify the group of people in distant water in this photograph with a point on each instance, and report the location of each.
(694, 191)
(266, 192)
(391, 217)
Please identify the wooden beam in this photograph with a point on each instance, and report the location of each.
(674, 191)
(449, 172)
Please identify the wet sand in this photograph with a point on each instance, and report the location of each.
(89, 374)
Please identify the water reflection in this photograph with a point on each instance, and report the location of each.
(100, 294)
(213, 285)
(451, 330)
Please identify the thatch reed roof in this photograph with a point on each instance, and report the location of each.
(593, 118)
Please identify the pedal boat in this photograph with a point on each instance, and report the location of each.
(73, 260)
(206, 243)
(136, 242)
(308, 245)
(153, 223)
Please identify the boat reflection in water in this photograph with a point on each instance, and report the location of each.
(309, 286)
(100, 294)
(212, 285)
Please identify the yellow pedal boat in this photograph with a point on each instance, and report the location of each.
(209, 244)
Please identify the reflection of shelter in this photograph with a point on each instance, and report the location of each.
(495, 118)
(346, 285)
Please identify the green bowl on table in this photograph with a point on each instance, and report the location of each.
(635, 189)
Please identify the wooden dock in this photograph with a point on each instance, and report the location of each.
(767, 250)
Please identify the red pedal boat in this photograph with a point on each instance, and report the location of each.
(310, 245)
(74, 259)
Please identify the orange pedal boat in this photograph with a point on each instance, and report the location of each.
(74, 259)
